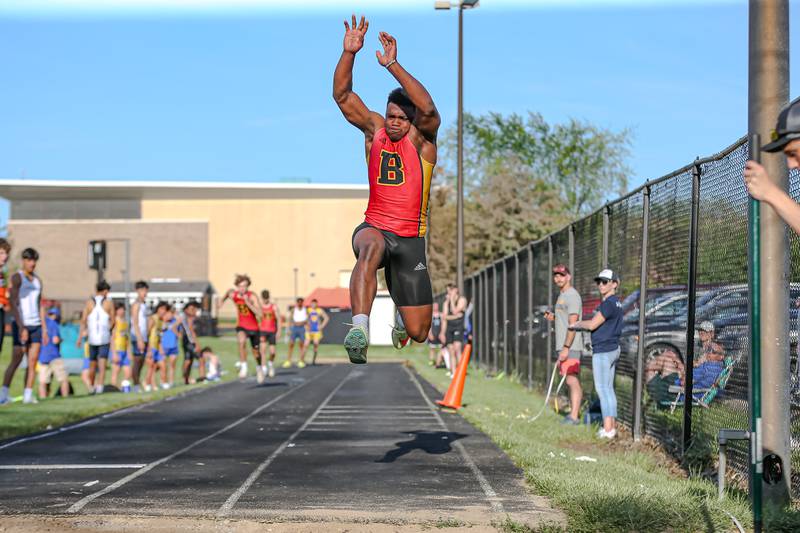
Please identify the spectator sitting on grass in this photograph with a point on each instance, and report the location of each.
(50, 362)
(212, 363)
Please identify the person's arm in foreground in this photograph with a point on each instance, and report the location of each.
(763, 189)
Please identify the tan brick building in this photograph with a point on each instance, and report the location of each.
(282, 234)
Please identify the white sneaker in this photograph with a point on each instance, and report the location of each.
(98, 389)
(165, 386)
(237, 364)
(148, 388)
(242, 370)
(603, 434)
(259, 374)
(28, 396)
(271, 370)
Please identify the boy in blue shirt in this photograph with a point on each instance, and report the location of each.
(50, 362)
(169, 344)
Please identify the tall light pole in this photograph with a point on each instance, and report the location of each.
(769, 362)
(462, 5)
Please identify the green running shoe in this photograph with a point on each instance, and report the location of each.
(356, 343)
(399, 337)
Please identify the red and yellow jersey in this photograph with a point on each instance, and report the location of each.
(269, 322)
(399, 186)
(4, 289)
(245, 318)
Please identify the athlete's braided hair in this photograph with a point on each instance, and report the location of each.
(400, 98)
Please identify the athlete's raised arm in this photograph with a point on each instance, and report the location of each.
(351, 105)
(427, 120)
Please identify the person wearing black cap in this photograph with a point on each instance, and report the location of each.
(569, 343)
(606, 327)
(785, 138)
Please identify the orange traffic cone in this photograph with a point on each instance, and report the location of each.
(453, 397)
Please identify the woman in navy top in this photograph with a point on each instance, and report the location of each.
(606, 327)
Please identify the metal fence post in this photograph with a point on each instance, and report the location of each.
(486, 329)
(606, 224)
(505, 316)
(690, 310)
(550, 335)
(473, 316)
(571, 248)
(494, 316)
(516, 313)
(639, 390)
(529, 319)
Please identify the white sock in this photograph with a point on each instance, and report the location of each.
(361, 320)
(398, 319)
(4, 393)
(27, 394)
(447, 360)
(269, 364)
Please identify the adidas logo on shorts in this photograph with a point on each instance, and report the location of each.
(420, 266)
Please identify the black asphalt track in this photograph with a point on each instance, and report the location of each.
(336, 442)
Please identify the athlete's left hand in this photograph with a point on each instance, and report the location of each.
(389, 49)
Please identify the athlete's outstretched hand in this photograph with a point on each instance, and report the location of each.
(354, 36)
(389, 49)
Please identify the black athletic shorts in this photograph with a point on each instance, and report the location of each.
(455, 331)
(190, 351)
(406, 268)
(253, 335)
(269, 337)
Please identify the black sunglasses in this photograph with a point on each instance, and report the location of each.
(602, 281)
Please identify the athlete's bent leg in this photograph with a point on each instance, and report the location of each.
(417, 320)
(369, 247)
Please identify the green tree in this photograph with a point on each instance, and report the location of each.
(523, 179)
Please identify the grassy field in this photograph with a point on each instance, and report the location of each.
(628, 487)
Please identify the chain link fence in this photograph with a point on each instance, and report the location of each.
(648, 237)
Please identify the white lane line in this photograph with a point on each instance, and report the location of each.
(80, 504)
(380, 417)
(238, 493)
(490, 493)
(112, 414)
(68, 467)
(373, 407)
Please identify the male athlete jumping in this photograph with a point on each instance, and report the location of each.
(401, 153)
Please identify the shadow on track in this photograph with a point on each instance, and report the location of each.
(433, 442)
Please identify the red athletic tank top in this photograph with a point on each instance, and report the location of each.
(399, 185)
(269, 323)
(246, 319)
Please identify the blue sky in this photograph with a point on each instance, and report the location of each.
(242, 93)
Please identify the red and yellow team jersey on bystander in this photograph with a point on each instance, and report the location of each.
(245, 317)
(399, 186)
(4, 289)
(269, 322)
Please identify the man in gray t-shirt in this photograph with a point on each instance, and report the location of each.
(569, 344)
